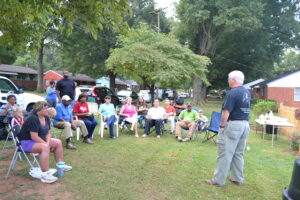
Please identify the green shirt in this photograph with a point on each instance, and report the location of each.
(189, 116)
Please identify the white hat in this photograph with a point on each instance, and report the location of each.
(66, 97)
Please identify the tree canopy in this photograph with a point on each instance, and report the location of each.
(153, 58)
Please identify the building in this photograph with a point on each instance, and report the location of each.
(23, 77)
(284, 89)
(80, 79)
(250, 84)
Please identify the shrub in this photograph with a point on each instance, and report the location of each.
(265, 106)
(294, 141)
(255, 101)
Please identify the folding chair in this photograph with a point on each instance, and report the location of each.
(162, 128)
(19, 152)
(186, 129)
(9, 136)
(213, 128)
(103, 123)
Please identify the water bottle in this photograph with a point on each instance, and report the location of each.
(60, 169)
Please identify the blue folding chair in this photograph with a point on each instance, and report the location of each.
(213, 128)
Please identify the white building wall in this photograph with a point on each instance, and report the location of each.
(292, 80)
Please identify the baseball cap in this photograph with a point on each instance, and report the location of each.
(66, 97)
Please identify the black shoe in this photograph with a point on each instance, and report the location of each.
(171, 133)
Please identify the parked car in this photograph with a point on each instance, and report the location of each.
(145, 94)
(83, 89)
(184, 95)
(25, 100)
(163, 94)
(123, 94)
(214, 96)
(101, 92)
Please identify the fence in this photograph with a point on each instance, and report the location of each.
(289, 113)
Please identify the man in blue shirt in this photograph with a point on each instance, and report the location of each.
(233, 132)
(64, 119)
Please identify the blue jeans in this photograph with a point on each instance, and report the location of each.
(140, 119)
(90, 126)
(51, 103)
(110, 121)
(153, 122)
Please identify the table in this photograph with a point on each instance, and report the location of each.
(276, 122)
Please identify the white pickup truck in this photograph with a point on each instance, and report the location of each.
(25, 100)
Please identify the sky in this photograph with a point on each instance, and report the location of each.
(168, 4)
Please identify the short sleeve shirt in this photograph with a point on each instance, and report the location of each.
(189, 116)
(80, 108)
(237, 102)
(169, 109)
(66, 86)
(33, 124)
(156, 113)
(107, 109)
(63, 112)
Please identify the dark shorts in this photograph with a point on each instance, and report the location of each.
(27, 145)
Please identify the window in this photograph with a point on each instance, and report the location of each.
(7, 87)
(46, 81)
(263, 91)
(297, 94)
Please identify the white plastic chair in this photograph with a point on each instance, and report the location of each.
(102, 125)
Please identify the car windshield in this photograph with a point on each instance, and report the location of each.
(87, 91)
(124, 93)
(7, 87)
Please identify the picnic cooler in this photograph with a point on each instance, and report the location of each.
(269, 129)
(293, 192)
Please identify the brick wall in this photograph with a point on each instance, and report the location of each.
(282, 95)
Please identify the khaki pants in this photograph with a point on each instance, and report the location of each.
(68, 130)
(184, 124)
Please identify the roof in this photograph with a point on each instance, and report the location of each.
(76, 77)
(248, 85)
(275, 78)
(16, 69)
(131, 82)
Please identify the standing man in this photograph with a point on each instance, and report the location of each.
(233, 132)
(66, 86)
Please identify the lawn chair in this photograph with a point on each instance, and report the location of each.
(213, 128)
(186, 129)
(19, 152)
(103, 124)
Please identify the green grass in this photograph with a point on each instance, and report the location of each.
(149, 168)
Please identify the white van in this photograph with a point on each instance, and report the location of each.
(25, 100)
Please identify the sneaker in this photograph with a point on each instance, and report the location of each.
(145, 135)
(47, 177)
(70, 146)
(187, 139)
(179, 138)
(88, 141)
(114, 137)
(67, 168)
(158, 136)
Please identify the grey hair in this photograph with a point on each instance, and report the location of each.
(238, 76)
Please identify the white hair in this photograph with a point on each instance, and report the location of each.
(238, 76)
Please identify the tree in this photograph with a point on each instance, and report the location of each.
(288, 62)
(151, 58)
(7, 55)
(30, 22)
(222, 30)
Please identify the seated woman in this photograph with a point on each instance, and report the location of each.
(107, 110)
(171, 113)
(6, 110)
(129, 114)
(81, 110)
(142, 109)
(35, 137)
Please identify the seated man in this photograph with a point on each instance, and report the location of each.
(35, 137)
(154, 117)
(64, 119)
(170, 114)
(202, 122)
(188, 119)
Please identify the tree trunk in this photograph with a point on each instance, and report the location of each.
(112, 80)
(198, 98)
(40, 66)
(152, 90)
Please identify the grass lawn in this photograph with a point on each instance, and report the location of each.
(150, 168)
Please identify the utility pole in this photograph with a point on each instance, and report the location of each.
(157, 11)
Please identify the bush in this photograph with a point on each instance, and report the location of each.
(255, 101)
(264, 106)
(294, 141)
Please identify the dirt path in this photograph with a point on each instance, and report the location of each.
(24, 187)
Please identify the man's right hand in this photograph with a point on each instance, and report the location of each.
(73, 127)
